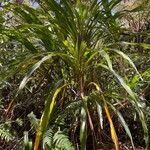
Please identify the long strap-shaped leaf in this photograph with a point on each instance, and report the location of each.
(83, 129)
(112, 128)
(46, 116)
(110, 68)
(65, 57)
(129, 60)
(131, 93)
(124, 124)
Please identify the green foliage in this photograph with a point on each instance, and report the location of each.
(69, 61)
(27, 143)
(5, 133)
(33, 120)
(57, 141)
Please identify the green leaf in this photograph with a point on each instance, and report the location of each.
(124, 124)
(129, 60)
(134, 102)
(99, 110)
(35, 67)
(61, 140)
(47, 114)
(48, 138)
(121, 81)
(83, 126)
(27, 142)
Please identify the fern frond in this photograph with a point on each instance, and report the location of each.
(62, 141)
(33, 120)
(58, 140)
(5, 133)
(48, 138)
(74, 106)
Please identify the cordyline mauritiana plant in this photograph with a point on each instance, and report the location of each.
(81, 37)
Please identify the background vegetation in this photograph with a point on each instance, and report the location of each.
(74, 74)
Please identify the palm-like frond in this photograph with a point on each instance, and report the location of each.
(73, 37)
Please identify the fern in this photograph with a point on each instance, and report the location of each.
(48, 138)
(62, 141)
(56, 137)
(5, 133)
(68, 116)
(72, 109)
(33, 120)
(74, 106)
(57, 141)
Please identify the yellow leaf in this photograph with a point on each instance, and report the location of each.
(37, 139)
(113, 132)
